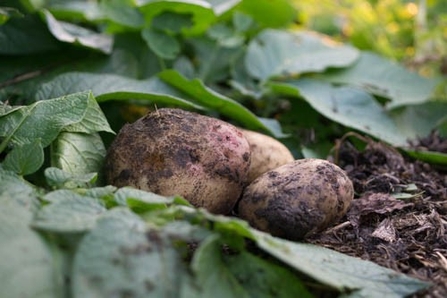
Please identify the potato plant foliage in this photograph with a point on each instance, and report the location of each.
(74, 72)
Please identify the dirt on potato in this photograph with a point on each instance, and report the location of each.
(296, 199)
(175, 152)
(399, 216)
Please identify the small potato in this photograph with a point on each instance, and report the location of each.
(297, 199)
(266, 154)
(175, 152)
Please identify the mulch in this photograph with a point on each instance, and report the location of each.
(398, 218)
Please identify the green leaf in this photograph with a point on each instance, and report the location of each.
(418, 120)
(213, 58)
(113, 87)
(141, 201)
(163, 44)
(93, 121)
(436, 158)
(209, 98)
(123, 13)
(25, 159)
(8, 12)
(58, 178)
(74, 34)
(171, 22)
(119, 257)
(29, 264)
(83, 11)
(276, 53)
(14, 189)
(201, 12)
(68, 212)
(345, 273)
(78, 153)
(270, 13)
(387, 79)
(222, 6)
(19, 125)
(349, 106)
(26, 35)
(213, 277)
(261, 278)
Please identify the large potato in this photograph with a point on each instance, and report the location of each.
(296, 199)
(175, 152)
(266, 154)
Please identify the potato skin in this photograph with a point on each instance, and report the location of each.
(296, 199)
(175, 152)
(266, 154)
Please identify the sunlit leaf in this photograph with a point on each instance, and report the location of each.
(270, 13)
(201, 11)
(276, 53)
(349, 106)
(387, 79)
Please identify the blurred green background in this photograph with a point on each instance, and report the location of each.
(411, 32)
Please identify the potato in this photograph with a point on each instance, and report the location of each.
(297, 199)
(175, 152)
(266, 154)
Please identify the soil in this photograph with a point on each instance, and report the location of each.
(398, 218)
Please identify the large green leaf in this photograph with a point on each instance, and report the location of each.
(74, 34)
(385, 78)
(29, 267)
(68, 212)
(352, 276)
(227, 106)
(261, 278)
(241, 274)
(119, 257)
(349, 106)
(276, 53)
(355, 277)
(419, 120)
(42, 120)
(201, 12)
(213, 277)
(78, 153)
(113, 87)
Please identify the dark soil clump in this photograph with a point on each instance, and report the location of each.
(399, 216)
